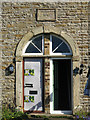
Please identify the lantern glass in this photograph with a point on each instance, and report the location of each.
(11, 69)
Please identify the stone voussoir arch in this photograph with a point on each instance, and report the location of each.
(19, 61)
(47, 29)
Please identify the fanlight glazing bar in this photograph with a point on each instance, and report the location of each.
(36, 46)
(57, 46)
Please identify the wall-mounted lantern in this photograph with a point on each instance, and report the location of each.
(75, 71)
(81, 69)
(78, 70)
(87, 87)
(11, 68)
(88, 75)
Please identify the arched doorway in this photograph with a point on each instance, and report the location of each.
(48, 47)
(33, 82)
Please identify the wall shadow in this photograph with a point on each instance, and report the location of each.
(40, 104)
(86, 90)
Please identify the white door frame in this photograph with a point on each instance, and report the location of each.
(52, 111)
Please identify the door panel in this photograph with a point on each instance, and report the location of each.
(62, 84)
(33, 84)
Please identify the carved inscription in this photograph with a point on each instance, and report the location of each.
(46, 14)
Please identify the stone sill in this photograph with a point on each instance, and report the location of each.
(49, 56)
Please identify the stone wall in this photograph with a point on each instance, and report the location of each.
(0, 63)
(89, 41)
(20, 17)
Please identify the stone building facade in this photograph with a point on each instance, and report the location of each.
(24, 21)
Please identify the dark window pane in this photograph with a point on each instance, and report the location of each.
(63, 49)
(38, 42)
(35, 46)
(55, 42)
(31, 49)
(59, 46)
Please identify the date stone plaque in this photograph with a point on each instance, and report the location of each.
(46, 14)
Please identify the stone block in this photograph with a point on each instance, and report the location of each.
(46, 14)
(76, 86)
(22, 43)
(37, 30)
(46, 51)
(52, 29)
(19, 84)
(19, 59)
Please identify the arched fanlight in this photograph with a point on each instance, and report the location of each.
(59, 46)
(35, 46)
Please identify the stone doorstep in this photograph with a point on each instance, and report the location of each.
(45, 114)
(48, 115)
(52, 119)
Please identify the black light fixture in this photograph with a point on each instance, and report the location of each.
(75, 71)
(81, 69)
(11, 68)
(81, 66)
(88, 75)
(78, 70)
